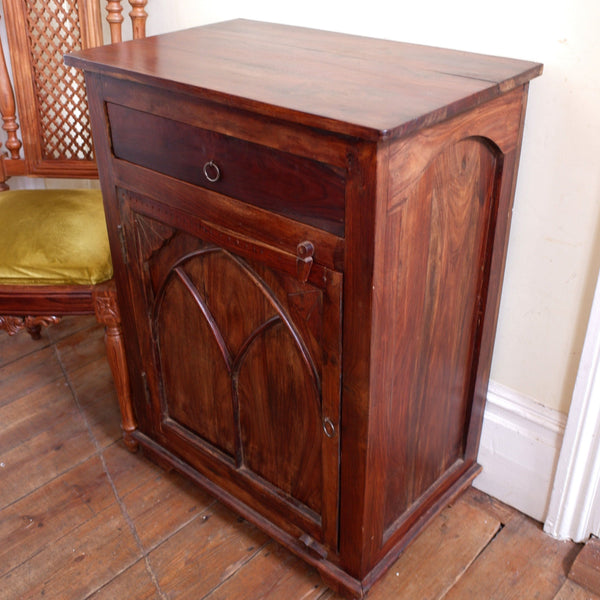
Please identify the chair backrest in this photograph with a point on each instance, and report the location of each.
(51, 109)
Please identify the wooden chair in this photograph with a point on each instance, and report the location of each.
(54, 253)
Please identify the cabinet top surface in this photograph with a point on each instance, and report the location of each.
(348, 84)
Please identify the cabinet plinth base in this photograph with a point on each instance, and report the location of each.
(332, 574)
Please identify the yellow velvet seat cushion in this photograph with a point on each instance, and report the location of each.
(53, 237)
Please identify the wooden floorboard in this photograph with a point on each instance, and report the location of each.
(83, 518)
(585, 571)
(438, 558)
(572, 591)
(523, 562)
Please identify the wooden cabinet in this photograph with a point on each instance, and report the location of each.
(309, 233)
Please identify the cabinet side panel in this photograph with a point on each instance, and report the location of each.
(437, 238)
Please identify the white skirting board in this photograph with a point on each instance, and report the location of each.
(519, 450)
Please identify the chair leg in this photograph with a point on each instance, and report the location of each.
(107, 313)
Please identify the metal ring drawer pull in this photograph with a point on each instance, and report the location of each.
(328, 427)
(215, 169)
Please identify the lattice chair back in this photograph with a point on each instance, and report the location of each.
(51, 107)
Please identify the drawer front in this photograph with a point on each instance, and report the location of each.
(305, 190)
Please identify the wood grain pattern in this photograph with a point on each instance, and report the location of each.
(114, 19)
(439, 557)
(93, 386)
(571, 591)
(45, 515)
(493, 507)
(257, 230)
(57, 447)
(19, 424)
(74, 354)
(226, 120)
(523, 564)
(243, 63)
(137, 577)
(8, 110)
(138, 16)
(13, 347)
(275, 573)
(37, 48)
(54, 124)
(182, 563)
(435, 253)
(26, 375)
(244, 314)
(496, 124)
(159, 504)
(303, 189)
(104, 541)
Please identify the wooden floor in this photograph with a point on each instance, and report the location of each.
(80, 517)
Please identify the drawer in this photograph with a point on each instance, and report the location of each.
(303, 189)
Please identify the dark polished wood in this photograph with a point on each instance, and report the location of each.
(300, 188)
(310, 232)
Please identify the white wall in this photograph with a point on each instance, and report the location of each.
(554, 254)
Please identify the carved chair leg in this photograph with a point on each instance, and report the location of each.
(107, 313)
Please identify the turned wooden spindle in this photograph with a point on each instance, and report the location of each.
(8, 110)
(107, 313)
(138, 18)
(115, 19)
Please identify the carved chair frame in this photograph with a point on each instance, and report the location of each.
(35, 306)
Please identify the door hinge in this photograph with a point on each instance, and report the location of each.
(146, 388)
(123, 245)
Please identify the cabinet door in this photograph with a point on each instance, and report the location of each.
(242, 365)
